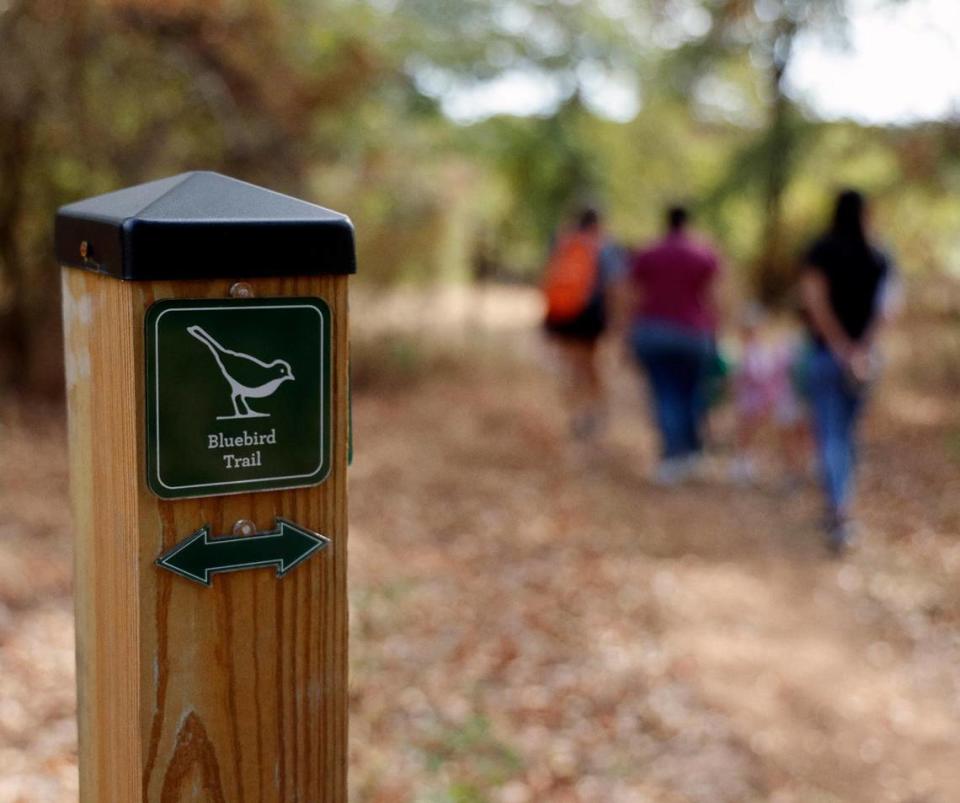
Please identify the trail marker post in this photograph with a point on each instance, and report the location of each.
(205, 326)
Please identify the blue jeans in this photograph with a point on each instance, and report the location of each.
(836, 403)
(675, 360)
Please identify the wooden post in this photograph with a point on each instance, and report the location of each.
(232, 692)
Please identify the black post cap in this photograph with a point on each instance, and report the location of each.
(202, 225)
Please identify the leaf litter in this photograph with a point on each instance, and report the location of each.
(535, 622)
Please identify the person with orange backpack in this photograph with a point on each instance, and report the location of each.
(582, 267)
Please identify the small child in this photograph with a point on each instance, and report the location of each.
(764, 390)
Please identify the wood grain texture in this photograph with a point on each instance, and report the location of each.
(232, 694)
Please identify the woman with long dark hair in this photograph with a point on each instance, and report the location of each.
(843, 287)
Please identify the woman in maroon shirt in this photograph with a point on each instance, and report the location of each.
(672, 337)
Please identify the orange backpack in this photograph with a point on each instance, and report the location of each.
(571, 277)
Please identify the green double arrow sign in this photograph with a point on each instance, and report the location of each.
(199, 557)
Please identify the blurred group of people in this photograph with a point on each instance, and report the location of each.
(662, 301)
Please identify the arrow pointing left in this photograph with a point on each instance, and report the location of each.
(200, 556)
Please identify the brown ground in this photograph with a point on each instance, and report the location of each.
(532, 622)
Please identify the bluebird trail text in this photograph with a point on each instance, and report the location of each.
(220, 441)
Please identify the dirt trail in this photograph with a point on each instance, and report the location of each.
(585, 636)
(531, 622)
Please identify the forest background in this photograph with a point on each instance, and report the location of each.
(527, 626)
(346, 102)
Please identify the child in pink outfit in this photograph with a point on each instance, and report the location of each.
(763, 391)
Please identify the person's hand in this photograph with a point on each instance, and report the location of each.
(859, 361)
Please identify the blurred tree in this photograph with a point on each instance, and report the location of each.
(142, 89)
(549, 167)
(548, 163)
(347, 101)
(764, 33)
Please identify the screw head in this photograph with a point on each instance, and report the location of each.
(244, 527)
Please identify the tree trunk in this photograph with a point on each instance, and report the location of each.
(773, 269)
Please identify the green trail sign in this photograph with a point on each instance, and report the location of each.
(238, 395)
(199, 557)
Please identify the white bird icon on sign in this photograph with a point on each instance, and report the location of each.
(248, 377)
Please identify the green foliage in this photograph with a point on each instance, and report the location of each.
(473, 757)
(341, 101)
(547, 166)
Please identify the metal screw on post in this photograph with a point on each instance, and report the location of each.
(244, 527)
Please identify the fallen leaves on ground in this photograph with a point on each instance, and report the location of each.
(533, 621)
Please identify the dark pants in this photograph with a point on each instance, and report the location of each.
(675, 361)
(836, 403)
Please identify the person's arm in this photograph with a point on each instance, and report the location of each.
(815, 295)
(717, 296)
(888, 304)
(621, 297)
(624, 296)
(854, 354)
